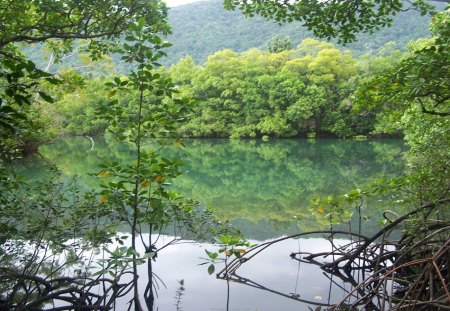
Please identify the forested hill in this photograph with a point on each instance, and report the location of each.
(202, 28)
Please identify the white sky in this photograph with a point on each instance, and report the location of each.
(172, 3)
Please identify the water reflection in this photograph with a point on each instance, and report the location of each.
(258, 185)
(271, 281)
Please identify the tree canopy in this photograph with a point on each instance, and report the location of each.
(37, 20)
(56, 23)
(334, 18)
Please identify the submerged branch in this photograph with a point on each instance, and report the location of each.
(410, 273)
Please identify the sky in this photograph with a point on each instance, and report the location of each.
(172, 3)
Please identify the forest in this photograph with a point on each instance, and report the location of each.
(202, 28)
(105, 70)
(308, 90)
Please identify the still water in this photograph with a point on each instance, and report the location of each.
(264, 188)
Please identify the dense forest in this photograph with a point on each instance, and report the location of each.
(297, 92)
(247, 90)
(276, 87)
(202, 28)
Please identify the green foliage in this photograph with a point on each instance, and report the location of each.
(53, 205)
(20, 87)
(138, 191)
(250, 182)
(421, 78)
(56, 23)
(283, 94)
(36, 21)
(279, 44)
(331, 19)
(230, 246)
(311, 135)
(135, 194)
(413, 97)
(202, 28)
(47, 228)
(360, 137)
(141, 106)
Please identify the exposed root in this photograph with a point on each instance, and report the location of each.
(409, 274)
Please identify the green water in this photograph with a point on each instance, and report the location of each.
(266, 189)
(260, 186)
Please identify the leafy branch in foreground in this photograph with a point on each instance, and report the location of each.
(144, 110)
(56, 23)
(332, 19)
(422, 79)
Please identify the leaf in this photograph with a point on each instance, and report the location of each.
(145, 183)
(211, 269)
(101, 272)
(53, 81)
(103, 199)
(159, 179)
(211, 255)
(149, 255)
(104, 173)
(46, 97)
(7, 126)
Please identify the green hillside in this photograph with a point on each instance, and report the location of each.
(202, 28)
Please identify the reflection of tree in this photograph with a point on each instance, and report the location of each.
(45, 244)
(230, 274)
(31, 292)
(277, 179)
(253, 180)
(241, 280)
(49, 245)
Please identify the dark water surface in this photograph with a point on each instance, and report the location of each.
(264, 188)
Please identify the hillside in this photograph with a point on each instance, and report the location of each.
(202, 28)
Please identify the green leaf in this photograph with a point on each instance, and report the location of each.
(46, 97)
(211, 269)
(149, 255)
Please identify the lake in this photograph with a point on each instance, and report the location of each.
(265, 189)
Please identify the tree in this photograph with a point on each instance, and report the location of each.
(332, 19)
(421, 79)
(36, 21)
(413, 96)
(141, 106)
(279, 44)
